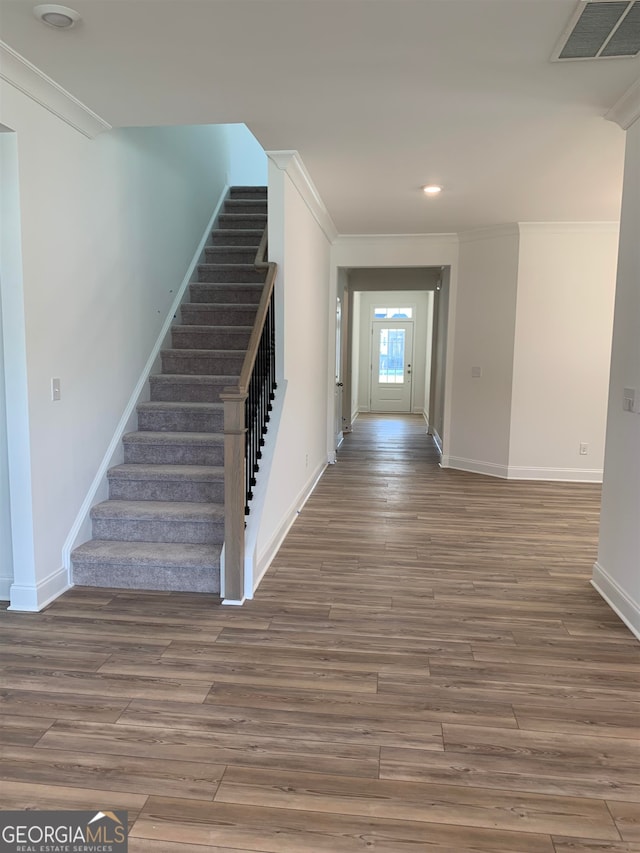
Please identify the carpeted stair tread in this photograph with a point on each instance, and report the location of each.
(181, 416)
(214, 313)
(170, 554)
(174, 448)
(234, 203)
(245, 273)
(163, 566)
(194, 378)
(243, 221)
(221, 254)
(156, 437)
(221, 293)
(237, 237)
(175, 387)
(240, 190)
(166, 472)
(196, 336)
(166, 511)
(171, 406)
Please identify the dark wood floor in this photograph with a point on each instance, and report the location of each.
(425, 668)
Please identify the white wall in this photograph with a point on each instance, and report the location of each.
(484, 338)
(389, 298)
(14, 389)
(109, 227)
(298, 439)
(617, 571)
(6, 556)
(564, 317)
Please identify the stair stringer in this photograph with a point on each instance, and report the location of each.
(98, 490)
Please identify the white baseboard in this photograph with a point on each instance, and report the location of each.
(32, 599)
(5, 589)
(98, 484)
(435, 435)
(617, 599)
(267, 556)
(233, 602)
(474, 466)
(516, 472)
(563, 475)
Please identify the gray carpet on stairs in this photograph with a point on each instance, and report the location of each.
(163, 525)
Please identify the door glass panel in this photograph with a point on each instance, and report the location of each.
(392, 313)
(391, 364)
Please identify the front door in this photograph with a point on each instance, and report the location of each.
(392, 355)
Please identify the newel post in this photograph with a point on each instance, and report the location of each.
(234, 493)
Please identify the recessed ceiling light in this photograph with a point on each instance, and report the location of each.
(59, 17)
(431, 189)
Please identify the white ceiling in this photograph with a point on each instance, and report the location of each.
(378, 96)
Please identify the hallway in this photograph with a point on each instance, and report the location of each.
(425, 667)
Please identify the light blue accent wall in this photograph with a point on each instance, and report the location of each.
(248, 164)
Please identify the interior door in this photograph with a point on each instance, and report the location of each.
(339, 382)
(391, 359)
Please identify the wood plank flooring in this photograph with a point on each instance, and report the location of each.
(424, 668)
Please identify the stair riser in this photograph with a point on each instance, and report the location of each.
(243, 221)
(228, 255)
(166, 490)
(173, 454)
(227, 273)
(136, 530)
(245, 205)
(185, 392)
(147, 577)
(224, 237)
(180, 421)
(225, 293)
(202, 365)
(213, 338)
(236, 315)
(248, 192)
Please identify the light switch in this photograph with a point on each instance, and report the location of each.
(55, 389)
(629, 399)
(476, 372)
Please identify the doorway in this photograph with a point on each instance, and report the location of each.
(391, 359)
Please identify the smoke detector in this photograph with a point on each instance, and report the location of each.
(601, 29)
(59, 17)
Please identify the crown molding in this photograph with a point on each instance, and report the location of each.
(491, 232)
(31, 81)
(410, 239)
(561, 228)
(291, 163)
(627, 109)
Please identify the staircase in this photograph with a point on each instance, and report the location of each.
(163, 525)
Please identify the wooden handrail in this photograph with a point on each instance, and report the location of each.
(234, 398)
(261, 314)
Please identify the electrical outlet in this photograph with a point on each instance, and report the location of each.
(584, 448)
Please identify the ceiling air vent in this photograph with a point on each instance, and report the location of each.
(601, 29)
